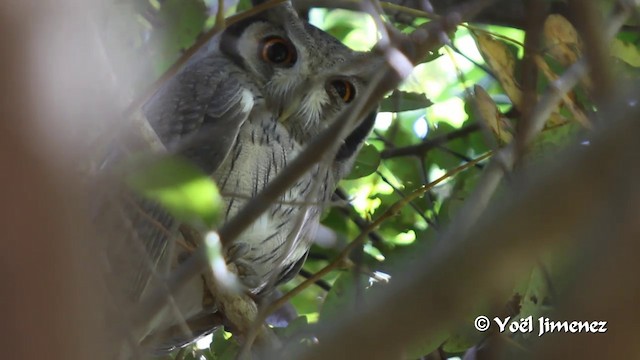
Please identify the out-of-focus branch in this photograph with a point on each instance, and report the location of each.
(541, 214)
(361, 223)
(412, 48)
(504, 12)
(529, 75)
(51, 296)
(505, 160)
(607, 287)
(590, 24)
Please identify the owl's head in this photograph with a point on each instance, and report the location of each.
(305, 75)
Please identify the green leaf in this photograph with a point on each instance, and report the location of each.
(183, 189)
(425, 347)
(223, 347)
(366, 163)
(404, 101)
(178, 25)
(462, 338)
(626, 52)
(551, 139)
(342, 297)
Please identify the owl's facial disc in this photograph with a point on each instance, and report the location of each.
(303, 74)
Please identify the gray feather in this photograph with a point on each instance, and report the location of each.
(198, 114)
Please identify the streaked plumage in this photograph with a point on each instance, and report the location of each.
(241, 109)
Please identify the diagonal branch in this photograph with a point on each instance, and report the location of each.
(412, 48)
(500, 248)
(428, 145)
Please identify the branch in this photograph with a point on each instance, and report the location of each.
(412, 48)
(500, 248)
(339, 261)
(428, 145)
(589, 23)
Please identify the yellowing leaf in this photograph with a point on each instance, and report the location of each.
(562, 41)
(502, 61)
(626, 52)
(555, 118)
(491, 116)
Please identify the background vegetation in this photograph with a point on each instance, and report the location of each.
(500, 180)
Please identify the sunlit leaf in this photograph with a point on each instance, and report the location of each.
(404, 101)
(223, 347)
(502, 60)
(492, 118)
(178, 24)
(626, 52)
(183, 189)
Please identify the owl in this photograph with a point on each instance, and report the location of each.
(241, 109)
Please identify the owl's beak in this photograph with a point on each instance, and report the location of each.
(292, 102)
(286, 112)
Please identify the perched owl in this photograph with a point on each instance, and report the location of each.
(241, 109)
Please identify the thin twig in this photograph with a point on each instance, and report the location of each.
(360, 222)
(425, 39)
(537, 217)
(589, 23)
(415, 207)
(320, 283)
(529, 75)
(430, 144)
(339, 261)
(506, 158)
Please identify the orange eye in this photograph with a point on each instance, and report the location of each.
(277, 51)
(345, 89)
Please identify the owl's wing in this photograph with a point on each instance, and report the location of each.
(198, 114)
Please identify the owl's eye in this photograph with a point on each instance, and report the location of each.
(345, 89)
(277, 51)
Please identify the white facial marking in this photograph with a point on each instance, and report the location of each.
(312, 106)
(246, 100)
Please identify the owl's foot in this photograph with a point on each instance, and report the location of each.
(236, 251)
(247, 274)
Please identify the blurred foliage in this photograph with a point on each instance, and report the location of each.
(473, 81)
(179, 186)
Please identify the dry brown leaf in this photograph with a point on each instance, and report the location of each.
(502, 62)
(567, 100)
(561, 39)
(491, 116)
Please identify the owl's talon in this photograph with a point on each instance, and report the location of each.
(237, 251)
(247, 273)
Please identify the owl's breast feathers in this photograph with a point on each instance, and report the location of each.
(216, 114)
(282, 235)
